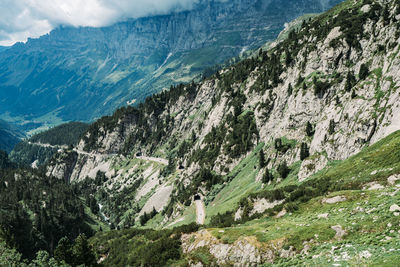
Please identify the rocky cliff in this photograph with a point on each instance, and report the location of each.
(322, 94)
(84, 73)
(252, 139)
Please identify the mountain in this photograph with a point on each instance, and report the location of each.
(289, 153)
(84, 73)
(288, 157)
(3, 48)
(39, 148)
(9, 136)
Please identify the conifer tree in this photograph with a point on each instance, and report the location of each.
(283, 169)
(304, 151)
(261, 159)
(267, 176)
(309, 129)
(290, 89)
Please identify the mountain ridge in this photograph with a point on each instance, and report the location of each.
(83, 73)
(294, 153)
(310, 100)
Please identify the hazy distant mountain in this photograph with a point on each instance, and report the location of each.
(9, 136)
(3, 48)
(83, 73)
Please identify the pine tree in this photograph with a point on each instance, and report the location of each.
(261, 159)
(82, 253)
(63, 251)
(290, 89)
(353, 94)
(144, 218)
(309, 129)
(267, 176)
(364, 72)
(153, 212)
(304, 151)
(288, 59)
(283, 169)
(332, 125)
(350, 80)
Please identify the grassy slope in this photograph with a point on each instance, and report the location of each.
(372, 231)
(365, 215)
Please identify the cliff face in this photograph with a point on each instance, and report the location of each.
(83, 73)
(322, 94)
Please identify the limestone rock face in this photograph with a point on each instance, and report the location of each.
(334, 200)
(311, 166)
(352, 112)
(83, 73)
(246, 251)
(261, 205)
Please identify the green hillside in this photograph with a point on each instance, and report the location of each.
(30, 151)
(371, 230)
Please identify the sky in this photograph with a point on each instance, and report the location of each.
(21, 19)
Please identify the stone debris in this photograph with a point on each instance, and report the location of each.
(373, 186)
(365, 254)
(392, 179)
(339, 231)
(394, 208)
(281, 213)
(334, 200)
(311, 166)
(366, 8)
(323, 216)
(261, 205)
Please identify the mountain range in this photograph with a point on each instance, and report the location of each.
(287, 157)
(84, 73)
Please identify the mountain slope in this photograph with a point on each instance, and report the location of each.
(322, 94)
(38, 149)
(350, 222)
(9, 136)
(83, 73)
(294, 153)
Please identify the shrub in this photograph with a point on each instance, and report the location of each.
(267, 176)
(283, 169)
(304, 151)
(332, 126)
(364, 72)
(309, 129)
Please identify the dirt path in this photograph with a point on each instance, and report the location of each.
(200, 212)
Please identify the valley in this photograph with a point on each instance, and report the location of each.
(84, 73)
(288, 156)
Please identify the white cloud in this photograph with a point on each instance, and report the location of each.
(20, 19)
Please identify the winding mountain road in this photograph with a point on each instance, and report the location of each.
(200, 212)
(158, 160)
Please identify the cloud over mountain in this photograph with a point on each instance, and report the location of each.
(20, 19)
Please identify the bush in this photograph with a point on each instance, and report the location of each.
(309, 129)
(222, 220)
(304, 151)
(267, 176)
(364, 72)
(332, 126)
(283, 169)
